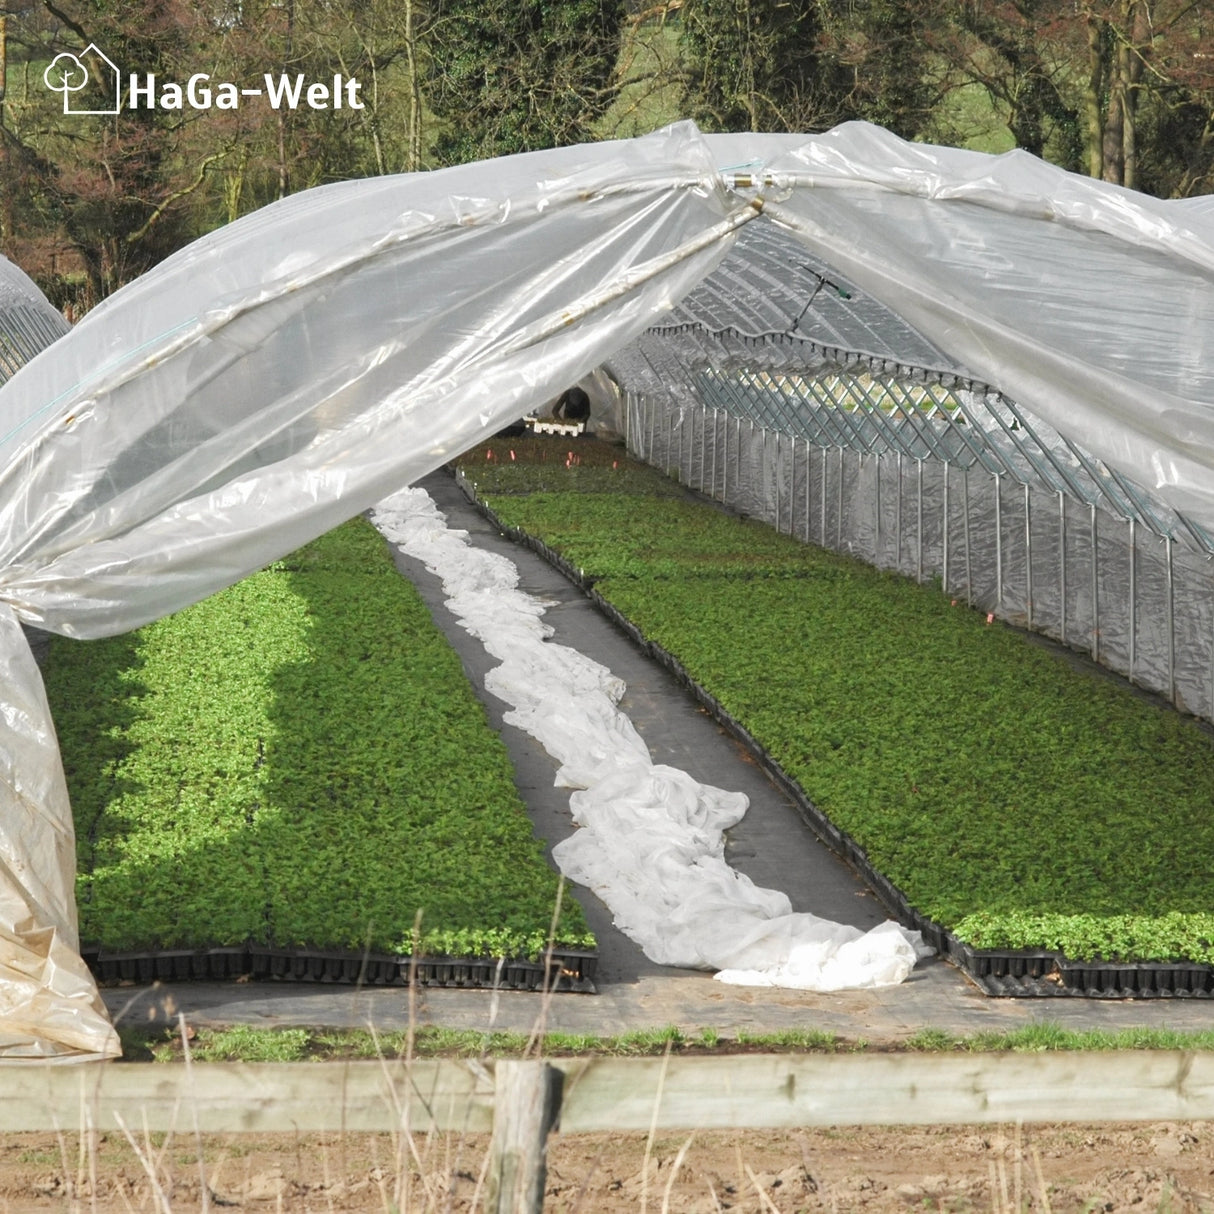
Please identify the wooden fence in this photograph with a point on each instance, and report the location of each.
(521, 1101)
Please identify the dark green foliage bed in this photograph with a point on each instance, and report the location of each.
(297, 761)
(1014, 796)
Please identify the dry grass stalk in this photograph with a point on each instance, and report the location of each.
(674, 1171)
(1042, 1188)
(653, 1129)
(765, 1201)
(189, 1070)
(552, 978)
(149, 1168)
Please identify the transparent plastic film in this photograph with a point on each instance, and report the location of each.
(361, 357)
(270, 381)
(1090, 304)
(49, 1005)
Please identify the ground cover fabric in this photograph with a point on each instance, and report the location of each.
(285, 372)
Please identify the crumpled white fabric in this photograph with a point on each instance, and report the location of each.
(651, 843)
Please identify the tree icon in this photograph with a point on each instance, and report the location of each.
(65, 74)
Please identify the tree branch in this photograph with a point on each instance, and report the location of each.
(134, 237)
(74, 26)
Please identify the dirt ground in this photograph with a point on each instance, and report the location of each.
(1159, 1168)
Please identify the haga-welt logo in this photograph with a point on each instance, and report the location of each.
(67, 74)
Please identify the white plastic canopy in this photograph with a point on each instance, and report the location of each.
(288, 371)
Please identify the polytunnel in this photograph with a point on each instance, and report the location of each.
(290, 370)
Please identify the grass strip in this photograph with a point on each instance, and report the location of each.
(1015, 798)
(298, 761)
(252, 1043)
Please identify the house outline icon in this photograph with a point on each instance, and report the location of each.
(115, 78)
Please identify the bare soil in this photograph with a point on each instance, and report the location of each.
(1160, 1167)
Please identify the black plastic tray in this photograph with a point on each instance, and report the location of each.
(570, 970)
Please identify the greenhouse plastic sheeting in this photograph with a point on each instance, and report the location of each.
(265, 384)
(289, 370)
(1090, 304)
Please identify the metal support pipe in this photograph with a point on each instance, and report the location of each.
(1062, 565)
(701, 422)
(839, 520)
(822, 486)
(791, 497)
(779, 467)
(703, 446)
(1133, 595)
(720, 447)
(998, 541)
(687, 432)
(1171, 627)
(691, 448)
(919, 522)
(857, 486)
(779, 470)
(763, 477)
(1028, 556)
(877, 470)
(792, 477)
(944, 534)
(723, 439)
(716, 433)
(790, 457)
(1095, 593)
(969, 572)
(737, 453)
(750, 450)
(898, 519)
(725, 465)
(808, 458)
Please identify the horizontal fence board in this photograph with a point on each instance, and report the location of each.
(244, 1097)
(618, 1094)
(771, 1091)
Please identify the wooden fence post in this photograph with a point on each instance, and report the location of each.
(526, 1106)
